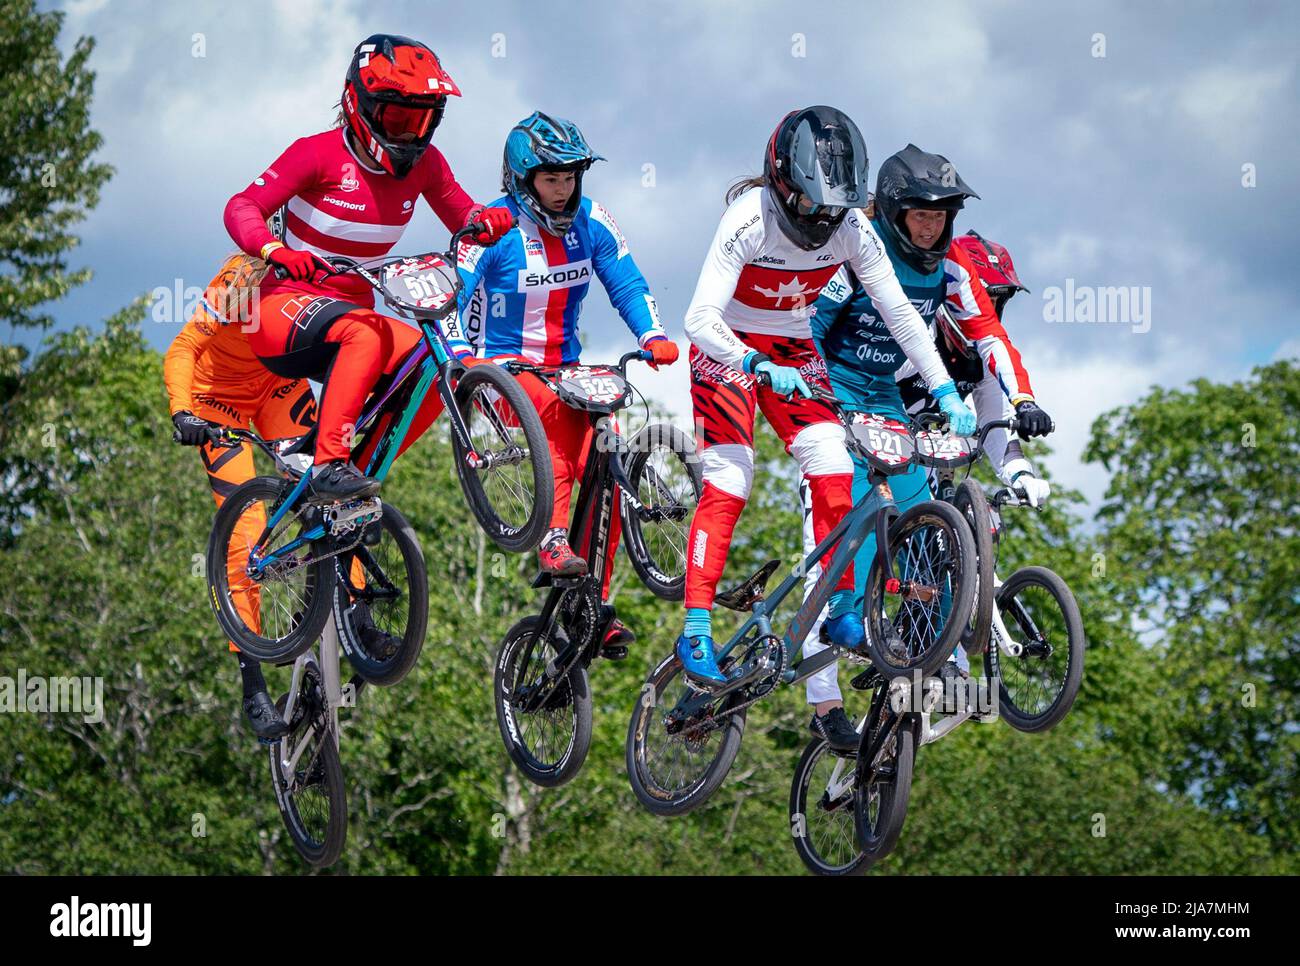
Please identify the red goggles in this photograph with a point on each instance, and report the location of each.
(396, 120)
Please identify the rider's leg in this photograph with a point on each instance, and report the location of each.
(228, 467)
(822, 688)
(405, 340)
(814, 436)
(724, 402)
(302, 335)
(567, 432)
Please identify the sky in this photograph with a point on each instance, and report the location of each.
(1148, 146)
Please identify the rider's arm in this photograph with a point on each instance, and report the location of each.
(627, 288)
(474, 264)
(443, 192)
(246, 212)
(969, 305)
(194, 339)
(866, 256)
(734, 244)
(182, 355)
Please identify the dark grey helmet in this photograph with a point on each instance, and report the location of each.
(913, 178)
(818, 154)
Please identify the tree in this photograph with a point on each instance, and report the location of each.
(1200, 535)
(48, 181)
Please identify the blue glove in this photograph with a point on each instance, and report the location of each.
(785, 379)
(960, 418)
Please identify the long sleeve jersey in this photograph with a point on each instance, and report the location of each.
(853, 335)
(338, 205)
(756, 280)
(523, 295)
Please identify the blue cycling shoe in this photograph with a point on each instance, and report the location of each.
(846, 630)
(699, 662)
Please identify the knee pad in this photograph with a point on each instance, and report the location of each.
(729, 467)
(820, 450)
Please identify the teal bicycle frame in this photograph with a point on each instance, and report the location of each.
(435, 362)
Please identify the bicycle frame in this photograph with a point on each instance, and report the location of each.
(432, 358)
(850, 532)
(603, 476)
(331, 686)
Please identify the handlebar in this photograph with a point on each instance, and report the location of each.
(341, 265)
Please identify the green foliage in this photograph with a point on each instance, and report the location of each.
(102, 521)
(47, 178)
(1202, 550)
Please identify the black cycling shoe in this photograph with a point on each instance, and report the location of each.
(835, 727)
(268, 724)
(340, 480)
(378, 643)
(617, 636)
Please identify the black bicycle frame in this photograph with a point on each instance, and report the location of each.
(602, 477)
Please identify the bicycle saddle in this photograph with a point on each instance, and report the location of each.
(304, 444)
(746, 594)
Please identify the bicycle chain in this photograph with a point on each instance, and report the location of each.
(714, 721)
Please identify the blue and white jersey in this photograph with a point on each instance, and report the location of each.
(523, 295)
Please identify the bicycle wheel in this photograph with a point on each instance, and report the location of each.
(383, 595)
(276, 613)
(674, 767)
(308, 777)
(668, 479)
(823, 829)
(974, 506)
(1037, 689)
(880, 803)
(512, 491)
(916, 627)
(549, 744)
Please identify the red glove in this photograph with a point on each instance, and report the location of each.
(664, 351)
(298, 265)
(497, 221)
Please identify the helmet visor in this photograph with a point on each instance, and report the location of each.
(399, 122)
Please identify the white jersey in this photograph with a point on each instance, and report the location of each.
(757, 280)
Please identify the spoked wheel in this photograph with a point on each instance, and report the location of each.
(381, 608)
(974, 506)
(275, 609)
(546, 732)
(668, 478)
(1037, 689)
(675, 764)
(821, 813)
(507, 479)
(883, 785)
(916, 625)
(308, 777)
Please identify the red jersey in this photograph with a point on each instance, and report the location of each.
(338, 205)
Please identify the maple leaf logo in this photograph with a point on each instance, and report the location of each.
(791, 290)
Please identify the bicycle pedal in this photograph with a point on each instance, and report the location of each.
(865, 681)
(613, 652)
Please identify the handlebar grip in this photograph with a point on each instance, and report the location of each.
(764, 379)
(279, 272)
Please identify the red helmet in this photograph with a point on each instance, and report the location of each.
(994, 266)
(393, 99)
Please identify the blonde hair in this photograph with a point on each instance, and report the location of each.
(236, 295)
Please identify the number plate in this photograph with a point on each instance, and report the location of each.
(585, 387)
(423, 281)
(888, 443)
(935, 448)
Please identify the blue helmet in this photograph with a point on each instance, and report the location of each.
(540, 141)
